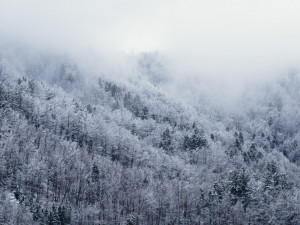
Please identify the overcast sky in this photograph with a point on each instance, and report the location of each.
(226, 39)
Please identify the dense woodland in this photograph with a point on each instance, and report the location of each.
(80, 149)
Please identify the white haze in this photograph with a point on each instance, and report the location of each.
(214, 48)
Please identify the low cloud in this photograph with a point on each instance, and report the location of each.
(211, 46)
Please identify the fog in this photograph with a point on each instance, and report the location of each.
(215, 48)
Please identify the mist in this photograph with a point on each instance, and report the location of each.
(149, 112)
(217, 49)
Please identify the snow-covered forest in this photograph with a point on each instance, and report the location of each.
(161, 112)
(82, 149)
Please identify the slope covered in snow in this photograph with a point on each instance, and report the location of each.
(80, 148)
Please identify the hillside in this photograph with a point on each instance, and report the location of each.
(83, 149)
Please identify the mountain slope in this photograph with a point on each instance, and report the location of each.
(76, 149)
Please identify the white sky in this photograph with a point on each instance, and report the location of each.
(213, 37)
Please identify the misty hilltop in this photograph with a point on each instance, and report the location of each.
(131, 144)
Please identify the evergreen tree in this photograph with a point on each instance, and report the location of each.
(239, 186)
(274, 179)
(62, 215)
(95, 173)
(166, 140)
